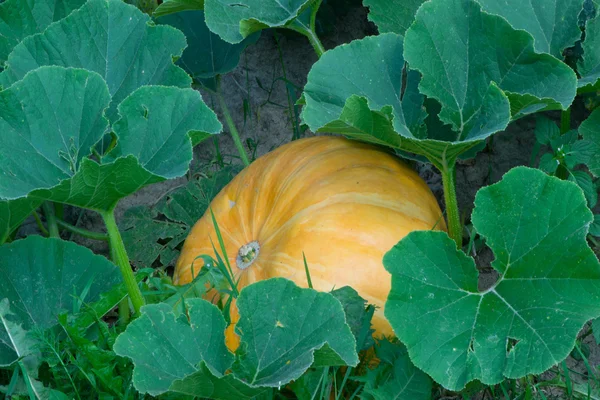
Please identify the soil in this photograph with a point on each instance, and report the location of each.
(258, 95)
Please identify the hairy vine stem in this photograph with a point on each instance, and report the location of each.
(452, 213)
(119, 256)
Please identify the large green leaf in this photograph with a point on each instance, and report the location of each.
(49, 122)
(204, 384)
(156, 131)
(207, 55)
(590, 130)
(176, 6)
(15, 342)
(455, 46)
(395, 377)
(42, 277)
(552, 23)
(155, 233)
(19, 345)
(22, 18)
(549, 285)
(281, 325)
(165, 347)
(159, 125)
(111, 38)
(392, 15)
(13, 213)
(589, 66)
(363, 102)
(235, 20)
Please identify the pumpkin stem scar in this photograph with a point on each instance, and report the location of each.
(247, 254)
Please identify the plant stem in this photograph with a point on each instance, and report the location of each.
(565, 121)
(39, 223)
(231, 125)
(452, 213)
(124, 312)
(119, 256)
(310, 31)
(315, 42)
(48, 208)
(81, 231)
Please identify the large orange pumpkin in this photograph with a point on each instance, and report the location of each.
(342, 203)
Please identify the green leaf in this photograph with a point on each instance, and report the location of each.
(589, 65)
(549, 285)
(546, 130)
(234, 20)
(395, 377)
(204, 384)
(548, 163)
(15, 342)
(595, 227)
(454, 45)
(158, 127)
(13, 213)
(111, 38)
(392, 15)
(281, 325)
(22, 18)
(207, 54)
(553, 23)
(18, 345)
(584, 181)
(45, 137)
(176, 6)
(362, 102)
(590, 130)
(155, 233)
(100, 187)
(357, 316)
(478, 97)
(165, 348)
(42, 277)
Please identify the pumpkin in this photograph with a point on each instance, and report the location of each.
(341, 203)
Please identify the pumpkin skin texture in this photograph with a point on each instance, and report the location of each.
(342, 203)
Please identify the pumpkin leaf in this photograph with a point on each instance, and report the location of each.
(207, 54)
(204, 384)
(549, 285)
(590, 130)
(460, 74)
(165, 347)
(392, 15)
(18, 345)
(234, 20)
(281, 325)
(478, 97)
(358, 316)
(22, 18)
(588, 66)
(176, 6)
(41, 277)
(15, 342)
(54, 146)
(13, 213)
(155, 233)
(595, 227)
(156, 132)
(553, 25)
(142, 54)
(395, 377)
(584, 181)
